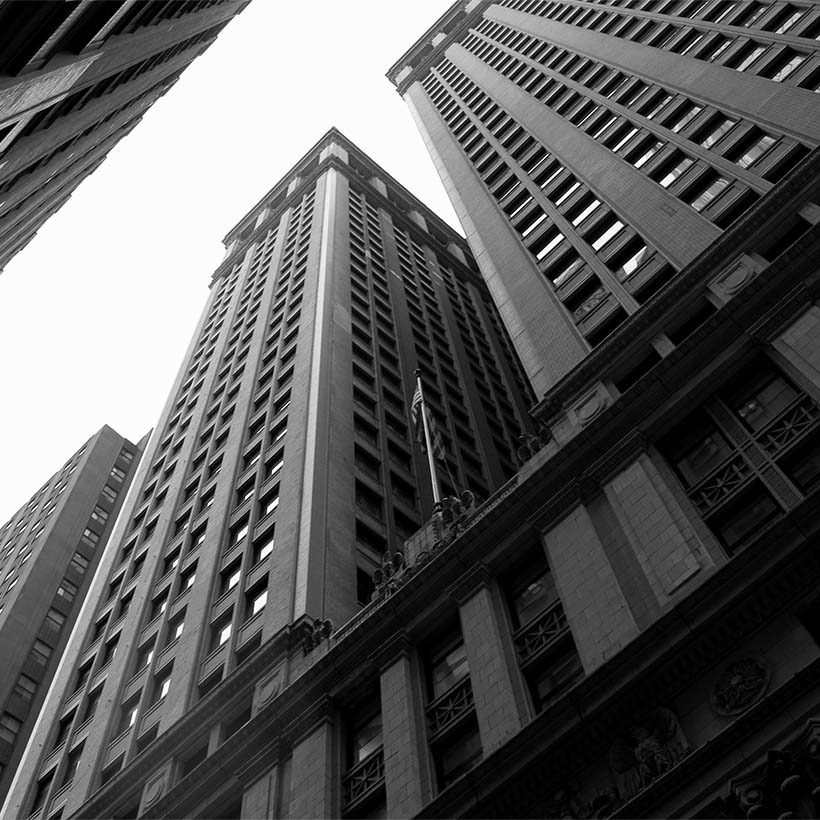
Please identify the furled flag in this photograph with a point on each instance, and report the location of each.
(418, 406)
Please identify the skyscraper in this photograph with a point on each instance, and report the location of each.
(592, 151)
(75, 78)
(48, 553)
(281, 473)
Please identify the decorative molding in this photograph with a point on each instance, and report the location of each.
(475, 579)
(742, 683)
(396, 647)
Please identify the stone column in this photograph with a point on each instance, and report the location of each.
(313, 791)
(498, 690)
(407, 776)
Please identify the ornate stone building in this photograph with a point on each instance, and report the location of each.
(280, 475)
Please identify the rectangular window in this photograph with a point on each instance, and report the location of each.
(117, 473)
(55, 619)
(99, 514)
(9, 727)
(90, 537)
(752, 148)
(262, 551)
(704, 193)
(716, 128)
(79, 563)
(25, 688)
(67, 591)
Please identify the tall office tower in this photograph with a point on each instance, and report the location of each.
(282, 470)
(48, 553)
(75, 77)
(593, 150)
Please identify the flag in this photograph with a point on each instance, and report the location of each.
(417, 407)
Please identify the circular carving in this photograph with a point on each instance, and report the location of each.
(741, 684)
(270, 688)
(735, 280)
(154, 790)
(590, 408)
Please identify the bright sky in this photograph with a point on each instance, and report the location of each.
(97, 312)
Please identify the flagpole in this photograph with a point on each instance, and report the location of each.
(431, 459)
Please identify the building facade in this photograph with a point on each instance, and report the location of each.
(594, 150)
(75, 77)
(627, 627)
(282, 472)
(49, 551)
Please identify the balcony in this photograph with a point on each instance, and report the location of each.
(544, 631)
(364, 780)
(797, 420)
(450, 708)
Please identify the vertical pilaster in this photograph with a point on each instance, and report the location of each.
(260, 798)
(498, 692)
(406, 758)
(797, 351)
(313, 789)
(668, 550)
(597, 611)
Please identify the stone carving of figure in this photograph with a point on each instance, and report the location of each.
(648, 751)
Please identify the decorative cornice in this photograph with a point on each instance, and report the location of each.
(398, 646)
(475, 579)
(323, 710)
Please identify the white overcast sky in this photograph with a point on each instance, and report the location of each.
(97, 312)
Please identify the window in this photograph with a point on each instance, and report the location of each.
(175, 628)
(186, 579)
(230, 578)
(9, 727)
(43, 787)
(702, 194)
(171, 561)
(683, 116)
(447, 668)
(72, 765)
(99, 514)
(673, 169)
(256, 598)
(239, 532)
(145, 655)
(221, 631)
(91, 704)
(55, 619)
(545, 649)
(158, 606)
(79, 563)
(63, 729)
(745, 56)
(263, 550)
(716, 128)
(751, 148)
(162, 685)
(83, 674)
(67, 591)
(25, 688)
(783, 65)
(90, 537)
(365, 738)
(128, 717)
(118, 474)
(269, 504)
(760, 400)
